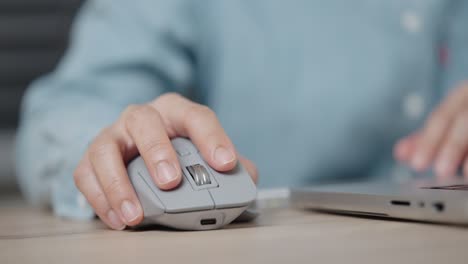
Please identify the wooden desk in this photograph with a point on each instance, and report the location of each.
(279, 235)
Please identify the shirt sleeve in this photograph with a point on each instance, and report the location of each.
(455, 43)
(121, 53)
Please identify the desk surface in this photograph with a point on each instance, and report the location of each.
(279, 235)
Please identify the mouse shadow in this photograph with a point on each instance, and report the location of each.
(156, 227)
(152, 227)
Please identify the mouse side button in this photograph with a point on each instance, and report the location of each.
(151, 204)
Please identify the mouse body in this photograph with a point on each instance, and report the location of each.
(205, 198)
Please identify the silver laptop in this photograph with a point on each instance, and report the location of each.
(419, 200)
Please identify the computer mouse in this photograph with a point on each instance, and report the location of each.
(205, 199)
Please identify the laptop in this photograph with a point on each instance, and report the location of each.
(419, 200)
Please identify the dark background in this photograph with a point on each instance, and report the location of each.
(33, 37)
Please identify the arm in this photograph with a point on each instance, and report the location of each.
(121, 54)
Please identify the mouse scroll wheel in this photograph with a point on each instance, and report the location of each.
(199, 174)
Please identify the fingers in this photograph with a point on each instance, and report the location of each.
(87, 183)
(147, 130)
(185, 118)
(454, 147)
(443, 141)
(106, 158)
(250, 167)
(436, 129)
(405, 147)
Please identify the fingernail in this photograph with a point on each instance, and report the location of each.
(165, 172)
(114, 221)
(129, 211)
(418, 162)
(223, 155)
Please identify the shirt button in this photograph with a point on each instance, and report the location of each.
(411, 21)
(413, 106)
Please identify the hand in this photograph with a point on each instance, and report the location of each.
(146, 129)
(443, 141)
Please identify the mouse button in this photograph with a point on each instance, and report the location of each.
(183, 146)
(199, 176)
(197, 172)
(182, 152)
(236, 188)
(150, 202)
(185, 199)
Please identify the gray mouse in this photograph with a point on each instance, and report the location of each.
(205, 199)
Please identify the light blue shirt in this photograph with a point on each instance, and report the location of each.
(309, 90)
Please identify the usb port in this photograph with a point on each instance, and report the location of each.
(208, 221)
(400, 203)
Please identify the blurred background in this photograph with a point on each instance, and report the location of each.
(33, 36)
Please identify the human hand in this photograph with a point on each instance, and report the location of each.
(443, 141)
(146, 130)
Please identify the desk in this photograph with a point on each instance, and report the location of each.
(279, 235)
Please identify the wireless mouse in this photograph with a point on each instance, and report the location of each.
(205, 199)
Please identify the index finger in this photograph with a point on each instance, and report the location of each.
(185, 118)
(435, 129)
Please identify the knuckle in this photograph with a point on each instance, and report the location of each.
(196, 113)
(140, 115)
(98, 201)
(101, 149)
(167, 100)
(106, 132)
(203, 110)
(132, 112)
(151, 146)
(128, 113)
(130, 109)
(167, 97)
(114, 186)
